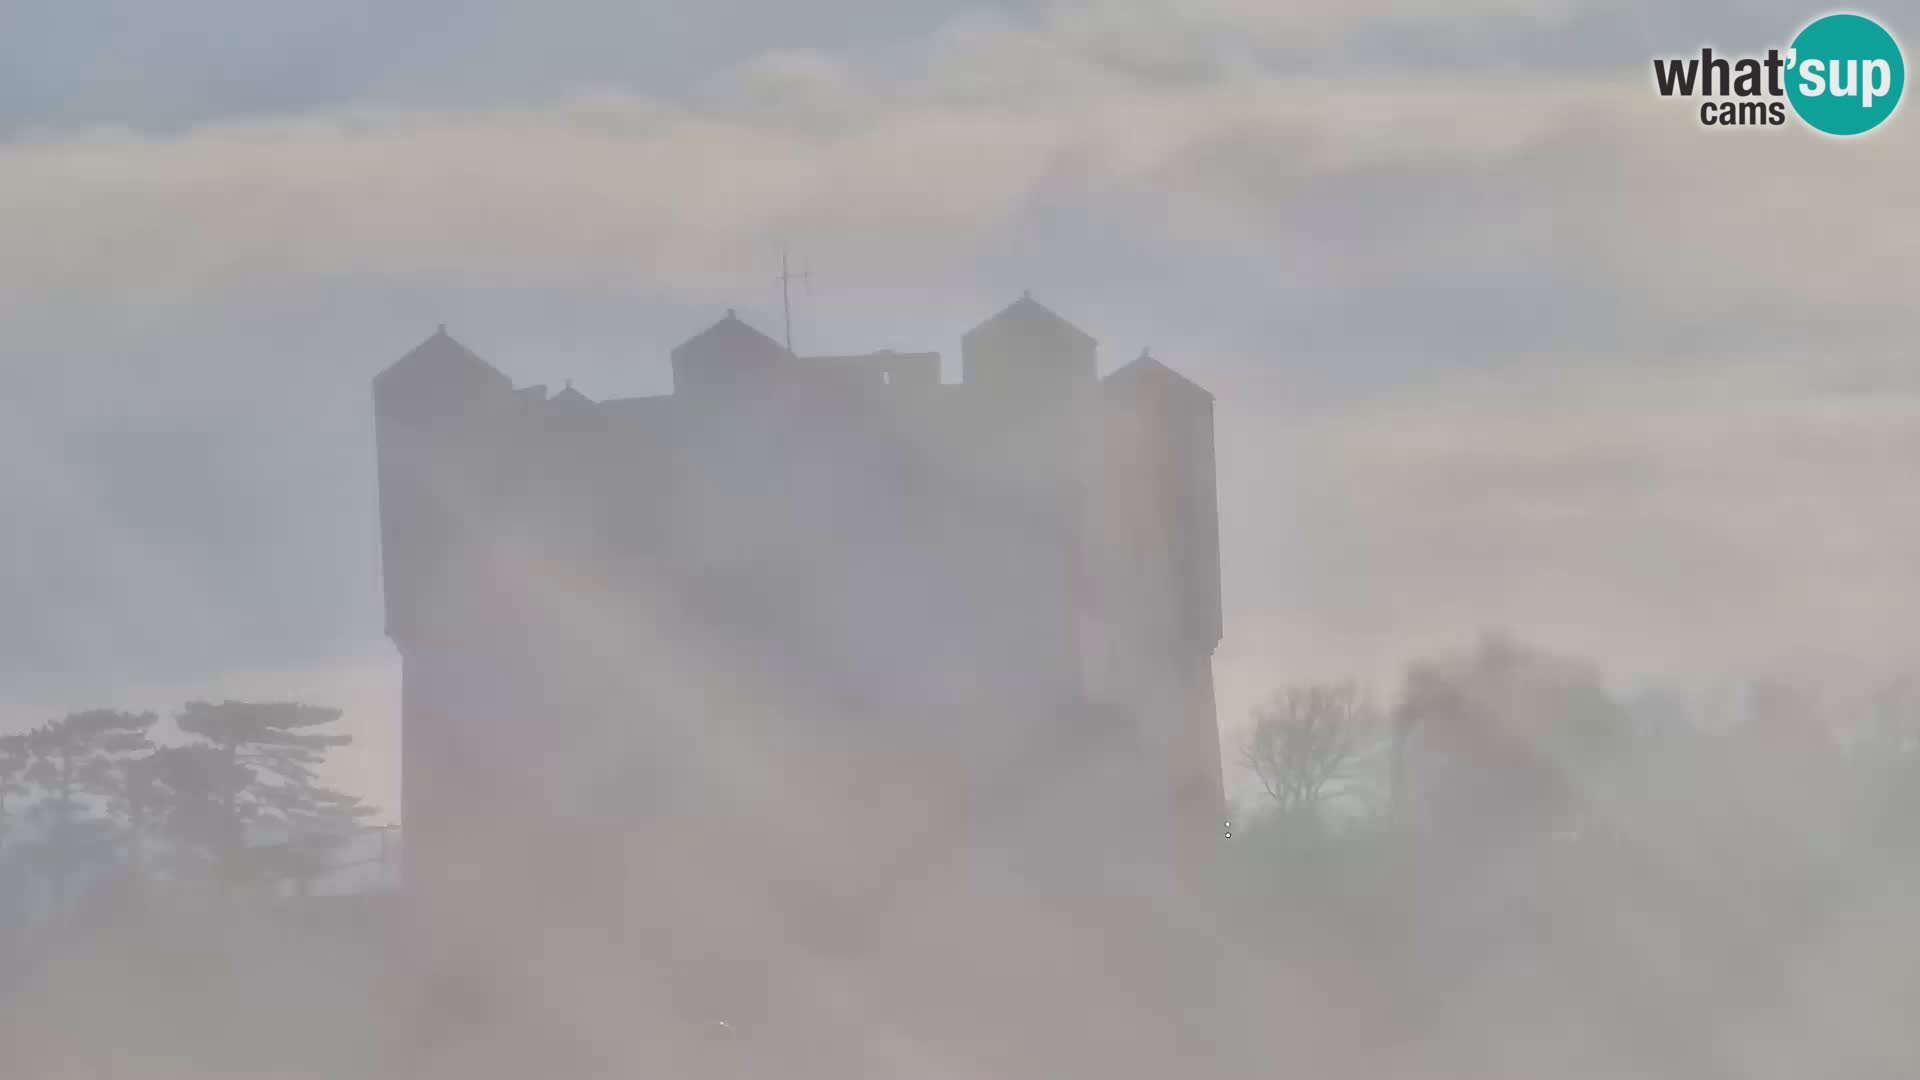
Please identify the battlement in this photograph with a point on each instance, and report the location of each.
(1120, 464)
(1026, 348)
(886, 368)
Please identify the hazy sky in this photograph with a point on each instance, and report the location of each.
(1500, 338)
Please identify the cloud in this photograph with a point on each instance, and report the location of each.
(170, 69)
(1677, 524)
(195, 62)
(1607, 204)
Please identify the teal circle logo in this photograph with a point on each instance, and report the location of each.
(1845, 74)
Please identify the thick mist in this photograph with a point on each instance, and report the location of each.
(1425, 590)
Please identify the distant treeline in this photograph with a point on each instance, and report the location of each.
(1506, 869)
(97, 810)
(1499, 867)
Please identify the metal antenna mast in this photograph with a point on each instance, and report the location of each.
(787, 278)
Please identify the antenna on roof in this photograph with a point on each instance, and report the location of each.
(787, 278)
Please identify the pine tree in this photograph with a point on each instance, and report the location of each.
(79, 764)
(187, 794)
(259, 770)
(14, 759)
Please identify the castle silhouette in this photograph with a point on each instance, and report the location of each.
(801, 660)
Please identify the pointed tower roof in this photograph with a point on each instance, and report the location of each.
(441, 361)
(1146, 370)
(723, 354)
(732, 339)
(570, 403)
(1028, 352)
(1028, 318)
(442, 358)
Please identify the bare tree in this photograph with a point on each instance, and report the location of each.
(1311, 745)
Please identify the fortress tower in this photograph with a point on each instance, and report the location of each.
(815, 662)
